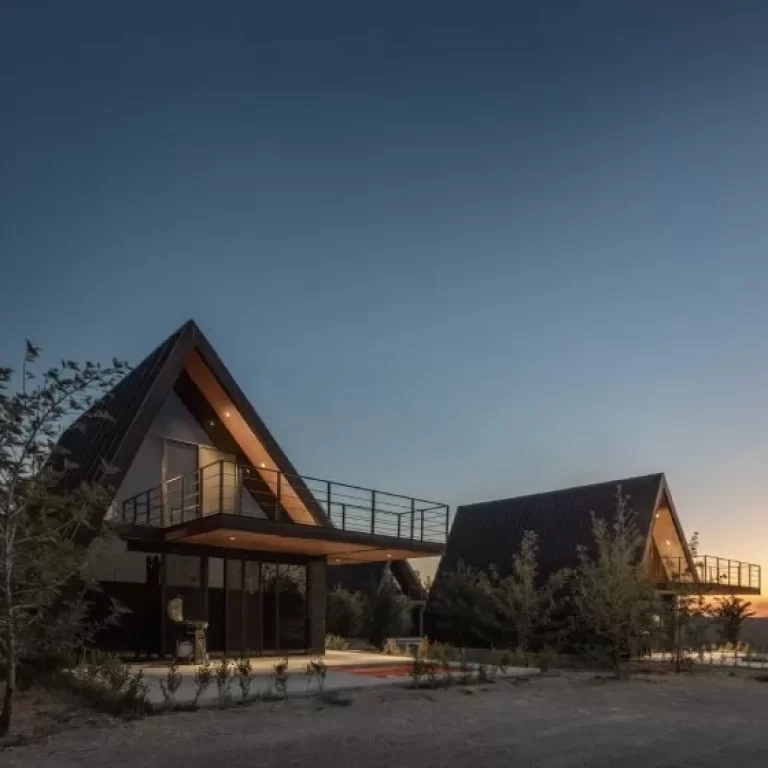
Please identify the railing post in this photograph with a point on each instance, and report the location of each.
(328, 493)
(148, 518)
(706, 577)
(200, 497)
(343, 517)
(182, 499)
(717, 568)
(729, 573)
(398, 526)
(740, 564)
(447, 522)
(373, 511)
(221, 486)
(413, 517)
(135, 509)
(421, 538)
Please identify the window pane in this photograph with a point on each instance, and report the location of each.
(292, 607)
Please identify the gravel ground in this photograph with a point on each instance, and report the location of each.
(553, 722)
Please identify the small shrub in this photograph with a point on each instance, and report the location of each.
(170, 686)
(393, 648)
(545, 660)
(114, 673)
(418, 668)
(431, 669)
(203, 680)
(277, 688)
(245, 676)
(223, 676)
(483, 674)
(465, 670)
(316, 671)
(335, 643)
(134, 698)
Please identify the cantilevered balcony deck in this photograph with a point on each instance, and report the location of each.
(258, 506)
(714, 575)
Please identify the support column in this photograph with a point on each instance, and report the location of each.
(317, 585)
(163, 603)
(226, 600)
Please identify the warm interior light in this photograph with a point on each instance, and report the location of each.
(668, 543)
(231, 538)
(657, 515)
(226, 413)
(389, 557)
(263, 465)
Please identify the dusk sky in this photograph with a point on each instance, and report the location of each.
(460, 250)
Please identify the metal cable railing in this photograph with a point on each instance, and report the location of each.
(232, 488)
(712, 571)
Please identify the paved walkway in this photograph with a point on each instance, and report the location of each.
(337, 678)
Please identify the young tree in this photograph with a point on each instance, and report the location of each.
(684, 614)
(611, 593)
(525, 606)
(345, 612)
(463, 606)
(731, 612)
(45, 530)
(387, 612)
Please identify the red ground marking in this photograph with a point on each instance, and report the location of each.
(382, 670)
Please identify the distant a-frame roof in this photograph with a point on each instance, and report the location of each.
(490, 533)
(135, 402)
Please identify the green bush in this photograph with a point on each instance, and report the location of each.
(345, 612)
(335, 643)
(388, 614)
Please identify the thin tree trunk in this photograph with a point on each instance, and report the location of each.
(10, 687)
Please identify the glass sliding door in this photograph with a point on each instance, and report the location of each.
(269, 605)
(292, 607)
(216, 604)
(252, 608)
(234, 606)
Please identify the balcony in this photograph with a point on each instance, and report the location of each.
(716, 575)
(229, 495)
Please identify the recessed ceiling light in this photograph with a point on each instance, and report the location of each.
(389, 556)
(668, 543)
(338, 559)
(226, 413)
(231, 538)
(263, 465)
(657, 515)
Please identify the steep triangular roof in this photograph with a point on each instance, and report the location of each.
(489, 533)
(136, 400)
(360, 578)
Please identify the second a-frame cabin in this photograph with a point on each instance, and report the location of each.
(488, 534)
(214, 524)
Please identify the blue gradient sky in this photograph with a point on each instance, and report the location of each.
(457, 250)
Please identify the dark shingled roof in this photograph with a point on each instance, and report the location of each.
(360, 578)
(490, 533)
(136, 400)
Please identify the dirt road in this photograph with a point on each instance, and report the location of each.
(554, 722)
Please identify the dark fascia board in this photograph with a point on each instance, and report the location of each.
(222, 521)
